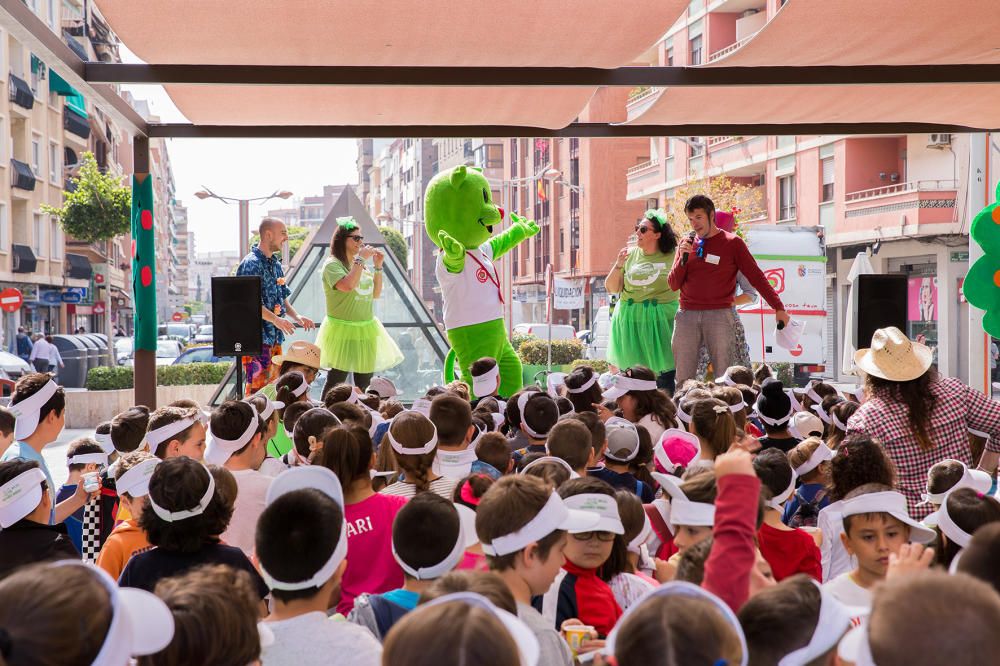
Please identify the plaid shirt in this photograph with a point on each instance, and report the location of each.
(958, 408)
(272, 294)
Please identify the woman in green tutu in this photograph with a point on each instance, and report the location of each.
(643, 322)
(351, 339)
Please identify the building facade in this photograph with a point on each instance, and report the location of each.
(901, 197)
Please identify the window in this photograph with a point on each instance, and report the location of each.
(652, 203)
(695, 58)
(786, 198)
(54, 163)
(828, 173)
(56, 238)
(4, 228)
(36, 157)
(697, 146)
(52, 13)
(39, 239)
(670, 57)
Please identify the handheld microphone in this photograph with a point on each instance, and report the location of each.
(684, 259)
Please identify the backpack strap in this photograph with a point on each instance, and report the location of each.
(387, 613)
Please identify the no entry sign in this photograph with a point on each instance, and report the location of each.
(10, 300)
(178, 316)
(99, 307)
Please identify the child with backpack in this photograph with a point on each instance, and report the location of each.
(428, 541)
(811, 462)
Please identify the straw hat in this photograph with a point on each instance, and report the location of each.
(300, 352)
(894, 356)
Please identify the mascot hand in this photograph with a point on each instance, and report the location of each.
(530, 227)
(454, 252)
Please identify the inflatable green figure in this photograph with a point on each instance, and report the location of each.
(460, 216)
(982, 284)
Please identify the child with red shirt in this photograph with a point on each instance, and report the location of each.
(348, 452)
(579, 591)
(788, 550)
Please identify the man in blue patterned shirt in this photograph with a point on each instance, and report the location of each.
(261, 261)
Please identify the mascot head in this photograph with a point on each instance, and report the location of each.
(459, 201)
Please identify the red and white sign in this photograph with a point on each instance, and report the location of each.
(98, 278)
(10, 300)
(99, 307)
(178, 316)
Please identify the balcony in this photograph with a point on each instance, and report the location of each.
(913, 203)
(21, 176)
(76, 47)
(20, 92)
(75, 124)
(640, 99)
(722, 53)
(640, 168)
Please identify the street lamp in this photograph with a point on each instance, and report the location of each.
(244, 205)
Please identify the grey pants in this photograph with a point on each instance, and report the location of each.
(716, 329)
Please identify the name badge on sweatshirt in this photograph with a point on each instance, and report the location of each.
(712, 258)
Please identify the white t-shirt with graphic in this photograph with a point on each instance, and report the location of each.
(473, 295)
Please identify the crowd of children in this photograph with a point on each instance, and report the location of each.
(595, 519)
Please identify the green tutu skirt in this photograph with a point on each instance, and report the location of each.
(641, 334)
(356, 346)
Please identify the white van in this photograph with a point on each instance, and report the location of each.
(597, 346)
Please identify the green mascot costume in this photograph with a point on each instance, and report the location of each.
(460, 215)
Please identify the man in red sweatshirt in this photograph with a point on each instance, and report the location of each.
(704, 271)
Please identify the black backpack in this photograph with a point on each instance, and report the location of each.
(807, 513)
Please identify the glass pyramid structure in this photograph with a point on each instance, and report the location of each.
(400, 310)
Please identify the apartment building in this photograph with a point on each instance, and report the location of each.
(205, 266)
(575, 189)
(900, 196)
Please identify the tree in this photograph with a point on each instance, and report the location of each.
(296, 237)
(98, 209)
(396, 243)
(743, 200)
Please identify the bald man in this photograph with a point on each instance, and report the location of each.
(262, 262)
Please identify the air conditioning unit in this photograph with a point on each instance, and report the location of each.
(939, 141)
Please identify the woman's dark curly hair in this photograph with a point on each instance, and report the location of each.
(178, 484)
(655, 402)
(667, 242)
(859, 460)
(585, 401)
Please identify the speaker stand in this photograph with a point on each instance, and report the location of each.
(239, 378)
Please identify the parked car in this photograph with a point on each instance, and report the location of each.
(123, 350)
(559, 331)
(199, 354)
(204, 334)
(167, 352)
(13, 366)
(183, 333)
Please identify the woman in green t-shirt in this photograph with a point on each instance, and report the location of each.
(643, 322)
(351, 339)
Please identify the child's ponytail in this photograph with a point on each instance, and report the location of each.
(347, 452)
(290, 388)
(713, 423)
(413, 431)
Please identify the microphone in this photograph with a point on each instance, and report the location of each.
(684, 259)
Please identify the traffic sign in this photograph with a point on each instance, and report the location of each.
(10, 300)
(178, 316)
(72, 297)
(98, 278)
(99, 307)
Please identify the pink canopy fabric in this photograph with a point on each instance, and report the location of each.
(867, 32)
(551, 33)
(345, 105)
(971, 105)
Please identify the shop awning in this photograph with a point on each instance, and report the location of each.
(24, 259)
(74, 99)
(78, 266)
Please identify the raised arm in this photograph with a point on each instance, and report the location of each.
(519, 231)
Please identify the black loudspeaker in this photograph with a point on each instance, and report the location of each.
(881, 301)
(236, 316)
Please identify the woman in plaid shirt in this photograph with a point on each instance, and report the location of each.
(919, 416)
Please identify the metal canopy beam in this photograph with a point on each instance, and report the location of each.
(38, 38)
(538, 76)
(582, 130)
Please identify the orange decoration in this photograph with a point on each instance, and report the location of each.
(996, 214)
(996, 278)
(280, 281)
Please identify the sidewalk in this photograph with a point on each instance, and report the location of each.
(55, 454)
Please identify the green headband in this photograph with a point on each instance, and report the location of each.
(347, 223)
(658, 215)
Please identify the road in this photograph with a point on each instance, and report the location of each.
(55, 454)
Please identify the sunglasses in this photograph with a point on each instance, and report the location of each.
(641, 230)
(357, 238)
(601, 536)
